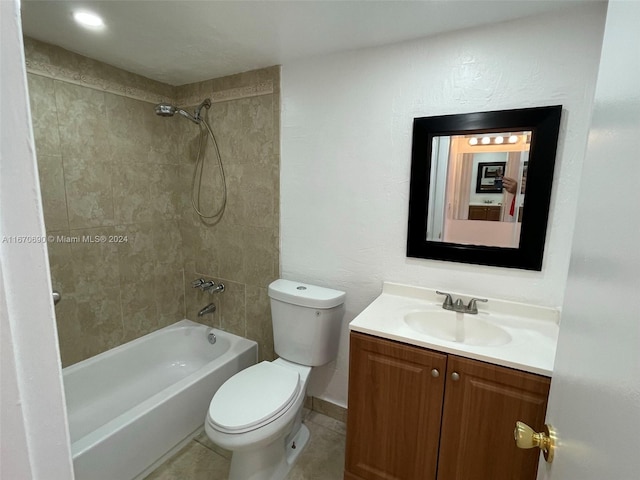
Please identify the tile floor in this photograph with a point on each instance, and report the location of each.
(322, 459)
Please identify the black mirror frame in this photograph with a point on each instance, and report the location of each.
(544, 123)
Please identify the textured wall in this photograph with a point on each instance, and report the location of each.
(109, 166)
(346, 153)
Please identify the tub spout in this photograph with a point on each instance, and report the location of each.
(208, 309)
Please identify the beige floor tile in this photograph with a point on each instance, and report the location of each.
(322, 459)
(193, 462)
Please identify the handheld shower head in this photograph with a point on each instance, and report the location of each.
(165, 110)
(168, 110)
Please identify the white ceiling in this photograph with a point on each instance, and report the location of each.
(184, 41)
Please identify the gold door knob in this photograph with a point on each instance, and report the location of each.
(526, 437)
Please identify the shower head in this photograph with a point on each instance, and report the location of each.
(165, 110)
(168, 110)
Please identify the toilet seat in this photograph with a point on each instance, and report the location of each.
(253, 397)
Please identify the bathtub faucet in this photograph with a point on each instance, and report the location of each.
(209, 286)
(208, 309)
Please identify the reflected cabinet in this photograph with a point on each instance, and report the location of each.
(418, 414)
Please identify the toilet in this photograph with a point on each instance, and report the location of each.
(257, 413)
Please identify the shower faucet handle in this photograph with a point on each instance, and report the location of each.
(197, 283)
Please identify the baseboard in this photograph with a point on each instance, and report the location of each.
(329, 409)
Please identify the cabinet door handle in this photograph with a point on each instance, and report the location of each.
(455, 376)
(435, 373)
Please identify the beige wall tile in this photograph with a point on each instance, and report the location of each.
(169, 295)
(132, 193)
(136, 133)
(77, 67)
(259, 326)
(167, 245)
(88, 191)
(54, 199)
(165, 191)
(100, 319)
(82, 122)
(136, 256)
(139, 309)
(94, 261)
(233, 311)
(60, 262)
(44, 115)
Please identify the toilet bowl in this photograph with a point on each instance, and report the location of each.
(257, 413)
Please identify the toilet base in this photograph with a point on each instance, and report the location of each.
(271, 462)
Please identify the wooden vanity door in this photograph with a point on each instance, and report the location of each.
(481, 408)
(395, 408)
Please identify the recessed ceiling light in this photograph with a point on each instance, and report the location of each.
(88, 19)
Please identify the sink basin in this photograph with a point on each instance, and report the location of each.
(456, 327)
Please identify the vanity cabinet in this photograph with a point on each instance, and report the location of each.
(485, 212)
(418, 414)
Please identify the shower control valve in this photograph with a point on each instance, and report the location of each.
(197, 283)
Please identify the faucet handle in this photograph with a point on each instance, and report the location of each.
(197, 283)
(472, 307)
(448, 301)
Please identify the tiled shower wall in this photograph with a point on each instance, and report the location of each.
(242, 250)
(109, 167)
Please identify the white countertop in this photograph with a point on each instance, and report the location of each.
(533, 329)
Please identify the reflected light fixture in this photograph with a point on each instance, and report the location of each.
(88, 19)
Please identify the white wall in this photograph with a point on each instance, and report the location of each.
(34, 440)
(346, 152)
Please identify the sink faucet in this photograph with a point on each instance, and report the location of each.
(458, 306)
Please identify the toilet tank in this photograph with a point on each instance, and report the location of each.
(306, 321)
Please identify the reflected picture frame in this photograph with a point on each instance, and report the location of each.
(489, 178)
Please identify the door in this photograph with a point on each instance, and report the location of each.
(594, 401)
(395, 405)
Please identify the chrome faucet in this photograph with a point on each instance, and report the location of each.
(458, 306)
(209, 286)
(208, 309)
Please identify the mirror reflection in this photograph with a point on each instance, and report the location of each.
(479, 185)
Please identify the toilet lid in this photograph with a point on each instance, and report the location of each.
(253, 397)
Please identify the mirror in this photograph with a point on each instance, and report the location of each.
(481, 186)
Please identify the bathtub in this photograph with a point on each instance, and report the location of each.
(132, 406)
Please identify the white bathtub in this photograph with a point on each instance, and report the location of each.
(130, 406)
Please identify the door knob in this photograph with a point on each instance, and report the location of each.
(526, 437)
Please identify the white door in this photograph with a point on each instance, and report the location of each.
(595, 392)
